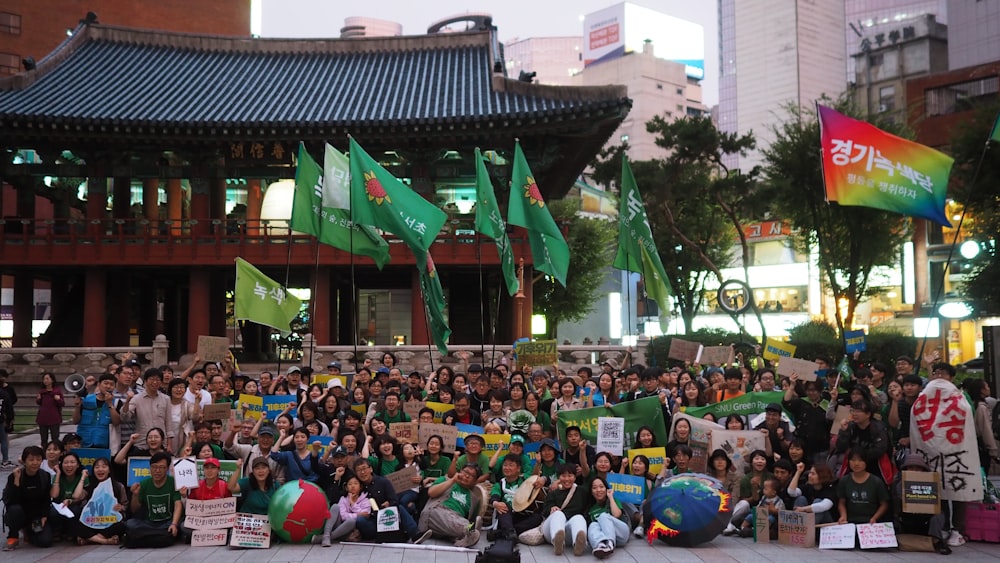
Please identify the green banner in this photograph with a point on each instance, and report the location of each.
(748, 404)
(638, 413)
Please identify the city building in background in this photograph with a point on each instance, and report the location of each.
(861, 15)
(360, 26)
(978, 42)
(552, 60)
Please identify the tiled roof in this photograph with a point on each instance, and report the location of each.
(118, 77)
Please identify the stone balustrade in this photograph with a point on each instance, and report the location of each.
(29, 363)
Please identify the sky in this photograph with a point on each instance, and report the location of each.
(514, 19)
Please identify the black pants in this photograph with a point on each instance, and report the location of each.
(46, 430)
(17, 520)
(518, 521)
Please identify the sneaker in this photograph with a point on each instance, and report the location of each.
(11, 544)
(639, 532)
(580, 543)
(423, 537)
(8, 464)
(730, 530)
(599, 552)
(559, 542)
(746, 532)
(326, 540)
(956, 539)
(470, 539)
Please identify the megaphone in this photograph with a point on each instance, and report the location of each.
(76, 384)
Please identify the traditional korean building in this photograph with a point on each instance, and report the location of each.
(137, 164)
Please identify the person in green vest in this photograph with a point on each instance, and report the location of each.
(450, 511)
(433, 463)
(510, 521)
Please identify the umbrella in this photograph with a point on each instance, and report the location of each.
(688, 509)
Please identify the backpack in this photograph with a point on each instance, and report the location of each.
(148, 537)
(503, 551)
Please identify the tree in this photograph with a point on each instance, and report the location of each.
(980, 193)
(852, 241)
(591, 248)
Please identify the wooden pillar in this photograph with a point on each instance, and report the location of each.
(217, 321)
(418, 316)
(320, 305)
(151, 201)
(94, 308)
(120, 315)
(121, 200)
(24, 309)
(175, 205)
(217, 203)
(201, 209)
(97, 199)
(199, 309)
(347, 314)
(254, 200)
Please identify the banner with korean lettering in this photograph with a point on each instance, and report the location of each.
(942, 430)
(262, 300)
(641, 412)
(863, 165)
(748, 404)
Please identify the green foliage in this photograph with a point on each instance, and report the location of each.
(982, 199)
(852, 241)
(660, 345)
(591, 247)
(887, 344)
(816, 338)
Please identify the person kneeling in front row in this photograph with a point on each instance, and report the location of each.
(26, 501)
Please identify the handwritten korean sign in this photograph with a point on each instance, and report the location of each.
(537, 353)
(942, 430)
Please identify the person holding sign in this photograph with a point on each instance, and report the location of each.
(300, 463)
(108, 535)
(211, 487)
(156, 504)
(452, 508)
(608, 528)
(68, 489)
(932, 525)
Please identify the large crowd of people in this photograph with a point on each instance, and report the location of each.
(559, 494)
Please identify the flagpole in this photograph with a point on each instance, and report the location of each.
(645, 301)
(951, 251)
(354, 294)
(312, 304)
(493, 321)
(482, 306)
(288, 267)
(427, 328)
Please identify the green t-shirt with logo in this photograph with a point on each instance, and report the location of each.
(506, 490)
(159, 501)
(67, 486)
(387, 466)
(437, 469)
(599, 508)
(458, 499)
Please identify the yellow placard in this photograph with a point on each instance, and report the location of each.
(655, 456)
(495, 442)
(439, 409)
(252, 406)
(775, 349)
(325, 378)
(360, 409)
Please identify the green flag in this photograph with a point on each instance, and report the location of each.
(430, 286)
(844, 369)
(490, 223)
(262, 300)
(379, 199)
(526, 208)
(995, 134)
(636, 248)
(332, 226)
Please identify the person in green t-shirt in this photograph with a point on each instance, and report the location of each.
(257, 489)
(474, 445)
(155, 501)
(451, 508)
(433, 463)
(386, 459)
(510, 523)
(608, 528)
(393, 411)
(864, 498)
(516, 448)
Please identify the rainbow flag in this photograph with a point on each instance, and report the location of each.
(863, 165)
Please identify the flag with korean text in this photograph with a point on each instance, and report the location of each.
(262, 300)
(379, 199)
(434, 304)
(315, 211)
(636, 249)
(526, 208)
(943, 431)
(490, 223)
(863, 165)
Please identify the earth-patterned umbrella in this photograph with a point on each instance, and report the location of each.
(687, 509)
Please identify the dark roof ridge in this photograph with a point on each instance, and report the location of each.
(563, 93)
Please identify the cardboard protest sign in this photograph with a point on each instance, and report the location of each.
(775, 349)
(88, 455)
(684, 350)
(412, 408)
(448, 433)
(537, 353)
(185, 473)
(837, 537)
(762, 525)
(228, 467)
(628, 488)
(251, 530)
(99, 512)
(921, 492)
(275, 404)
(699, 439)
(738, 445)
(854, 341)
(252, 406)
(208, 538)
(843, 413)
(943, 431)
(611, 435)
(655, 455)
(797, 529)
(213, 348)
(403, 479)
(717, 356)
(210, 514)
(805, 369)
(138, 469)
(216, 411)
(876, 536)
(642, 412)
(404, 432)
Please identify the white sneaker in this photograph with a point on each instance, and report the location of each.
(730, 530)
(639, 532)
(956, 539)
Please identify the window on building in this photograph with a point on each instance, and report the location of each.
(9, 64)
(680, 91)
(887, 98)
(960, 97)
(875, 60)
(10, 23)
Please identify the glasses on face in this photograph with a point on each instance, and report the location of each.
(158, 467)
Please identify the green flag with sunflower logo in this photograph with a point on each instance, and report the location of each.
(527, 209)
(379, 199)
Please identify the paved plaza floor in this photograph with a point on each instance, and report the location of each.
(720, 550)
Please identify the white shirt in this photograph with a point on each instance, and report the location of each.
(206, 397)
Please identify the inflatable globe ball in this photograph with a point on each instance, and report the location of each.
(298, 511)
